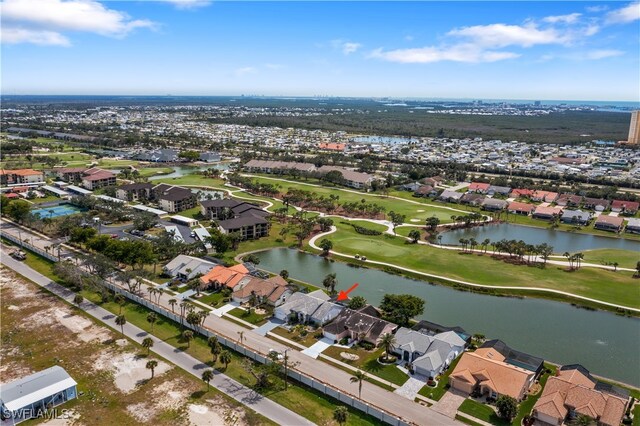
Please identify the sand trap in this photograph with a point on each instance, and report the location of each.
(420, 211)
(350, 357)
(414, 220)
(128, 370)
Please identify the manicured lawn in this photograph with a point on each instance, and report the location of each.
(307, 340)
(443, 384)
(482, 412)
(153, 171)
(368, 362)
(251, 318)
(46, 199)
(636, 415)
(213, 299)
(609, 286)
(625, 258)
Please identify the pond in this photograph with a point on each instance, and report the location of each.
(560, 240)
(605, 343)
(183, 171)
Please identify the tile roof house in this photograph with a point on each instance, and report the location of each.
(248, 219)
(479, 187)
(577, 217)
(520, 208)
(134, 191)
(269, 166)
(358, 325)
(501, 190)
(574, 392)
(313, 307)
(521, 192)
(597, 204)
(70, 174)
(633, 225)
(625, 207)
(352, 178)
(569, 200)
(431, 329)
(12, 177)
(449, 195)
(546, 196)
(271, 291)
(609, 223)
(187, 267)
(493, 204)
(547, 213)
(472, 199)
(495, 369)
(221, 276)
(424, 191)
(429, 354)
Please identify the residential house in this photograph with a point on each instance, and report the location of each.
(493, 204)
(625, 207)
(425, 191)
(135, 192)
(479, 187)
(431, 329)
(352, 178)
(313, 307)
(500, 190)
(413, 187)
(210, 157)
(433, 181)
(20, 176)
(574, 392)
(569, 200)
(430, 355)
(517, 207)
(575, 217)
(450, 196)
(174, 199)
(269, 166)
(70, 174)
(331, 146)
(633, 225)
(273, 291)
(597, 204)
(222, 277)
(219, 209)
(96, 178)
(494, 369)
(358, 325)
(522, 193)
(249, 227)
(472, 199)
(609, 223)
(544, 196)
(547, 213)
(187, 267)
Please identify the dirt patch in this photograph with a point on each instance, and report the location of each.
(142, 412)
(86, 330)
(128, 369)
(207, 415)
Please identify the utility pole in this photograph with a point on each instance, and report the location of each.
(286, 361)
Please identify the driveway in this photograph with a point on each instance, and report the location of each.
(316, 349)
(449, 403)
(225, 309)
(268, 326)
(410, 388)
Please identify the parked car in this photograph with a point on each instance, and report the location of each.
(18, 255)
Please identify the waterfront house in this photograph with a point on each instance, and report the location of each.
(249, 227)
(358, 325)
(187, 267)
(314, 308)
(450, 196)
(633, 225)
(574, 392)
(493, 204)
(575, 217)
(625, 207)
(472, 199)
(521, 193)
(597, 204)
(569, 200)
(431, 329)
(609, 223)
(547, 213)
(517, 207)
(544, 196)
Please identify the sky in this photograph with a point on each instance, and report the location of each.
(493, 50)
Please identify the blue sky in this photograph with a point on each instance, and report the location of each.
(511, 50)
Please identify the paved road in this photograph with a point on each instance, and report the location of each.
(371, 394)
(223, 383)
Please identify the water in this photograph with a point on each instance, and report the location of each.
(560, 240)
(389, 140)
(56, 211)
(183, 171)
(605, 343)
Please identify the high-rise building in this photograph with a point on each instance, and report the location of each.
(634, 129)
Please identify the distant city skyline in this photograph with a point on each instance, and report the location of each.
(583, 51)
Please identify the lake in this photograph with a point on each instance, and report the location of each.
(183, 171)
(560, 240)
(605, 343)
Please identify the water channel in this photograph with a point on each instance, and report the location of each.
(560, 240)
(605, 343)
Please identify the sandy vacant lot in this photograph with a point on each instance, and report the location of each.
(128, 369)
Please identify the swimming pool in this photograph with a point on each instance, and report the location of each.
(56, 211)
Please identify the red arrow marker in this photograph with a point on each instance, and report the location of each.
(344, 295)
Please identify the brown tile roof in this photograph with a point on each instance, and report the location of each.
(610, 220)
(229, 277)
(521, 207)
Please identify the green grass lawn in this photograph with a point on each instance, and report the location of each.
(46, 199)
(307, 340)
(153, 171)
(213, 299)
(368, 362)
(443, 384)
(251, 318)
(609, 286)
(625, 258)
(482, 412)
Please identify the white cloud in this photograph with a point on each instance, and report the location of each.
(46, 17)
(347, 47)
(603, 53)
(566, 19)
(40, 37)
(245, 70)
(502, 35)
(189, 4)
(431, 54)
(596, 9)
(624, 15)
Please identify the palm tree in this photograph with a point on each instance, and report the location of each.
(172, 303)
(207, 376)
(388, 341)
(615, 266)
(119, 299)
(121, 321)
(340, 414)
(152, 317)
(241, 336)
(330, 283)
(77, 299)
(147, 343)
(151, 365)
(358, 377)
(187, 335)
(225, 358)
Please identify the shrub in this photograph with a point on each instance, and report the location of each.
(366, 345)
(344, 341)
(362, 230)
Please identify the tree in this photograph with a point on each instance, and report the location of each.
(400, 308)
(615, 266)
(340, 414)
(507, 407)
(330, 283)
(77, 299)
(187, 335)
(325, 223)
(357, 302)
(144, 221)
(396, 219)
(414, 235)
(432, 223)
(18, 210)
(326, 246)
(284, 274)
(225, 358)
(358, 377)
(151, 365)
(207, 376)
(190, 155)
(172, 303)
(251, 258)
(388, 341)
(152, 317)
(215, 347)
(147, 343)
(121, 321)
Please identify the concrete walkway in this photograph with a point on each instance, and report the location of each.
(268, 326)
(223, 383)
(317, 348)
(449, 403)
(225, 309)
(410, 388)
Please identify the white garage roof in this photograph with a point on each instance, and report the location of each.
(23, 392)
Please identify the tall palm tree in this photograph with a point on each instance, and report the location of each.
(152, 317)
(225, 358)
(121, 321)
(147, 343)
(358, 378)
(330, 282)
(119, 299)
(172, 303)
(388, 341)
(187, 335)
(207, 376)
(151, 365)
